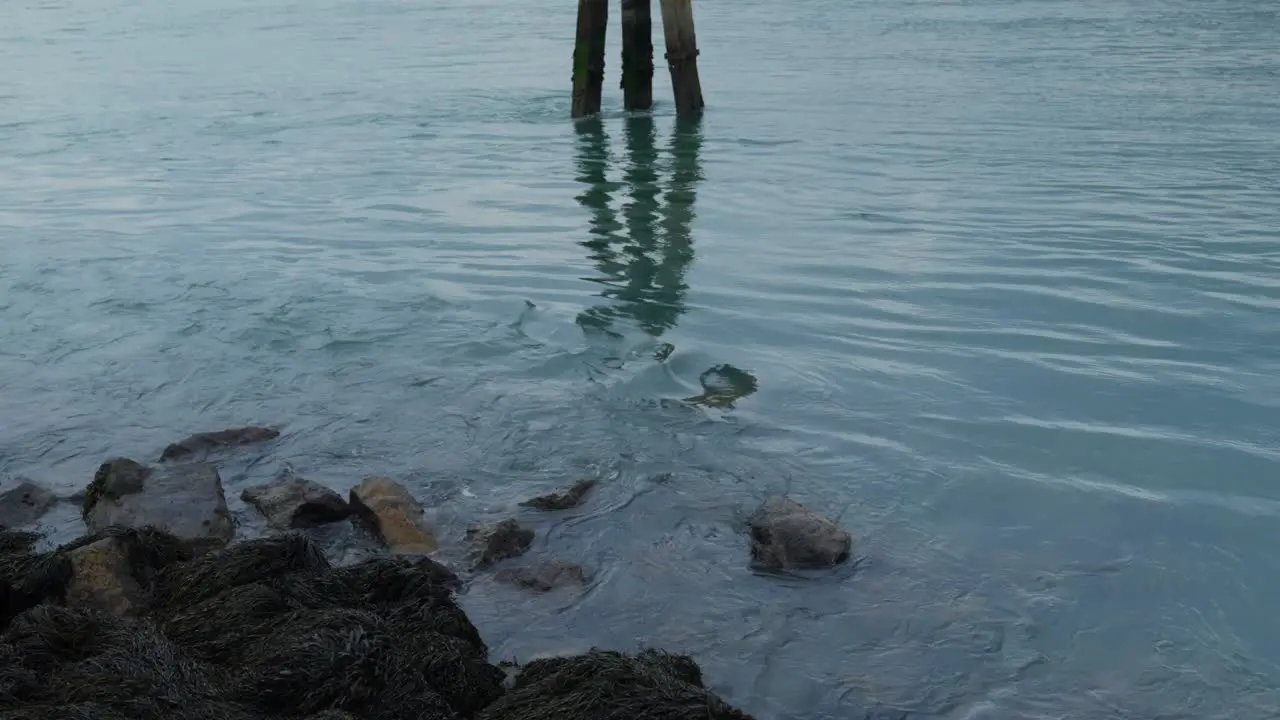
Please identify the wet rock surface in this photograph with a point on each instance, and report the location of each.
(201, 444)
(292, 501)
(23, 502)
(543, 576)
(394, 516)
(186, 501)
(499, 541)
(785, 534)
(569, 498)
(268, 629)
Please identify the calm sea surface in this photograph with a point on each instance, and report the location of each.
(995, 282)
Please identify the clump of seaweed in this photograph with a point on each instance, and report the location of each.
(606, 685)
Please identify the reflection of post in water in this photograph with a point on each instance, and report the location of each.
(644, 258)
(642, 270)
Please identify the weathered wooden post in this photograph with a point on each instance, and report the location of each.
(682, 55)
(637, 55)
(588, 56)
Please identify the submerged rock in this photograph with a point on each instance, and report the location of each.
(544, 576)
(562, 500)
(24, 503)
(393, 515)
(291, 501)
(184, 500)
(785, 534)
(205, 442)
(652, 685)
(504, 540)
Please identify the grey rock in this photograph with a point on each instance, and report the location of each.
(562, 500)
(24, 503)
(291, 501)
(785, 534)
(543, 577)
(184, 500)
(501, 541)
(203, 443)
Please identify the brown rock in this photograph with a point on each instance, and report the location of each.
(100, 577)
(393, 515)
(562, 500)
(543, 577)
(785, 534)
(506, 539)
(292, 501)
(205, 442)
(184, 500)
(24, 503)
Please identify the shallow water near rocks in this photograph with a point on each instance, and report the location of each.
(995, 283)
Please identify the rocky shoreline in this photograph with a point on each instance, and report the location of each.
(156, 611)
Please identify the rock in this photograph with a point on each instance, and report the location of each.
(785, 534)
(562, 500)
(184, 500)
(543, 577)
(394, 515)
(100, 578)
(500, 542)
(291, 501)
(24, 503)
(206, 441)
(723, 385)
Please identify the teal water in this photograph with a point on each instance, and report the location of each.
(995, 282)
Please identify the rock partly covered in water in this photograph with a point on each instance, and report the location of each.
(393, 515)
(292, 501)
(24, 503)
(184, 500)
(500, 541)
(652, 685)
(543, 576)
(203, 443)
(563, 500)
(785, 534)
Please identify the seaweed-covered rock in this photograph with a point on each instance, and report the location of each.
(186, 501)
(203, 443)
(500, 541)
(563, 500)
(223, 626)
(24, 503)
(393, 515)
(604, 685)
(184, 584)
(292, 501)
(785, 534)
(27, 578)
(543, 576)
(83, 658)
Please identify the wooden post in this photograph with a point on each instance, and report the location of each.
(682, 55)
(637, 55)
(588, 56)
